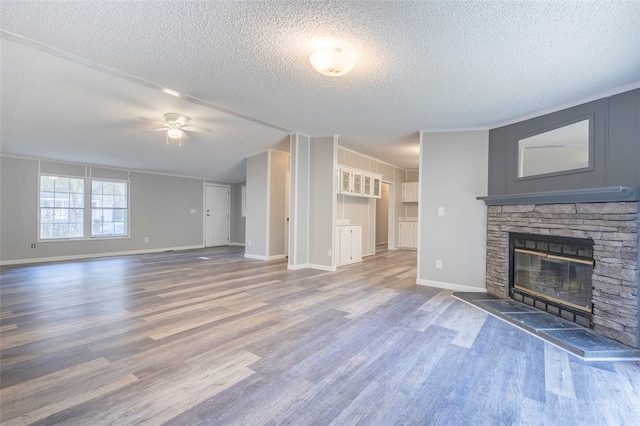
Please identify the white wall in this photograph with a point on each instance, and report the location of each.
(453, 172)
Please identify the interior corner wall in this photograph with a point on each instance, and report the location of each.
(257, 203)
(322, 201)
(159, 209)
(453, 172)
(237, 221)
(300, 150)
(278, 166)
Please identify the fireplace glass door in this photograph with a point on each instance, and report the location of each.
(553, 273)
(561, 279)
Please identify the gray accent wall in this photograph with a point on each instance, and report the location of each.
(160, 209)
(615, 150)
(453, 170)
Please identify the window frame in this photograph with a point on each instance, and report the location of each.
(40, 208)
(87, 209)
(91, 209)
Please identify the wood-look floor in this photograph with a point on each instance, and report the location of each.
(208, 337)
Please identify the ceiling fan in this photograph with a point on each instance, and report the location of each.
(176, 126)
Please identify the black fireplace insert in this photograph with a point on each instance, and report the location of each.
(553, 273)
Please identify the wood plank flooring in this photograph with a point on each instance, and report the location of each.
(208, 337)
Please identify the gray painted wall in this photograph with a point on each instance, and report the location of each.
(257, 205)
(160, 209)
(453, 170)
(237, 222)
(278, 166)
(616, 148)
(322, 200)
(300, 198)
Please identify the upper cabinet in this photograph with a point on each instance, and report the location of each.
(410, 193)
(359, 183)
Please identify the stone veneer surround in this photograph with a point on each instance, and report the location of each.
(613, 226)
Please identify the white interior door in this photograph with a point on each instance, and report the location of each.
(216, 215)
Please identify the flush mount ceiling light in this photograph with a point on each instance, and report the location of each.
(332, 62)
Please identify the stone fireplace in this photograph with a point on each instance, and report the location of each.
(613, 227)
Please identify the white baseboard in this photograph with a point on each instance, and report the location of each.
(449, 286)
(259, 257)
(312, 266)
(237, 244)
(94, 255)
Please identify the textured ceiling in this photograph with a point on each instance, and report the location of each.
(420, 66)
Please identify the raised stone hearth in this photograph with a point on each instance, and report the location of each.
(613, 226)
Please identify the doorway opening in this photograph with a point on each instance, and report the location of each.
(382, 219)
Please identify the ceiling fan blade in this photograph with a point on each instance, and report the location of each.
(182, 120)
(159, 129)
(196, 129)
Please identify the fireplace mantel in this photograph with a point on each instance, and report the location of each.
(591, 195)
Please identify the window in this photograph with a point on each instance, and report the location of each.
(109, 208)
(61, 207)
(63, 214)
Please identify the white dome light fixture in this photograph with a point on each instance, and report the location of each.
(174, 133)
(332, 62)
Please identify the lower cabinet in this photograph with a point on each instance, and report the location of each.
(348, 244)
(408, 235)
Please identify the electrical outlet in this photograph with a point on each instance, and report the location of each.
(329, 252)
(33, 245)
(146, 239)
(249, 243)
(440, 211)
(438, 264)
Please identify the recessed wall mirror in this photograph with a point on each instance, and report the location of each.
(559, 150)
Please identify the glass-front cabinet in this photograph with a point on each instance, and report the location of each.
(367, 188)
(377, 193)
(359, 182)
(345, 181)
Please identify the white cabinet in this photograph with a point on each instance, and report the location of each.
(377, 190)
(408, 235)
(359, 183)
(348, 244)
(346, 177)
(410, 192)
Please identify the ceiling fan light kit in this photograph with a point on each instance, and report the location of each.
(175, 126)
(174, 133)
(332, 62)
